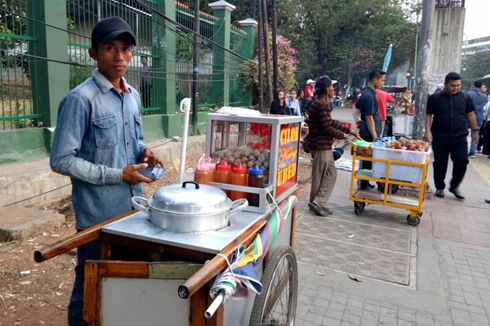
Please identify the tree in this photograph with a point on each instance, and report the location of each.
(474, 66)
(346, 38)
(287, 66)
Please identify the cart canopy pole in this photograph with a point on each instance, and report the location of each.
(185, 105)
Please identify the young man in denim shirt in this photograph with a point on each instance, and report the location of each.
(98, 143)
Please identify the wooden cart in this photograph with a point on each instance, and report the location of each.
(144, 282)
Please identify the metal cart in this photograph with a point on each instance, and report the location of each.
(390, 186)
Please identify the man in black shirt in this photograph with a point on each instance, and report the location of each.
(446, 125)
(370, 127)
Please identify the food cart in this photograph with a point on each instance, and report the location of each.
(391, 168)
(150, 276)
(399, 116)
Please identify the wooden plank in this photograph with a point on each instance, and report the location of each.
(76, 240)
(128, 269)
(198, 306)
(91, 293)
(122, 245)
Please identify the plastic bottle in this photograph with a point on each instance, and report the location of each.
(239, 177)
(223, 174)
(204, 171)
(255, 179)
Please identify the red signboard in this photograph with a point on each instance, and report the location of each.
(287, 164)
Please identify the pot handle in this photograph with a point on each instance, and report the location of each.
(138, 203)
(184, 185)
(242, 203)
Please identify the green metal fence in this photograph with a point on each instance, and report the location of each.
(152, 29)
(16, 109)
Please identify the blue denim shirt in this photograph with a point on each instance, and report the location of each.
(98, 133)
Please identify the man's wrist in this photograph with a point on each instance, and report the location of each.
(475, 129)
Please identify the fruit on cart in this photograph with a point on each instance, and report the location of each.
(409, 145)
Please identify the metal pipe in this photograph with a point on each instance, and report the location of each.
(195, 66)
(214, 305)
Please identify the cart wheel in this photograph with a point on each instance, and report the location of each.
(413, 221)
(277, 304)
(359, 208)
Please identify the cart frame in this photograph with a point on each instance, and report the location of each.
(414, 208)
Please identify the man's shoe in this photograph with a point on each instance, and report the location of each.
(487, 201)
(327, 210)
(471, 155)
(456, 193)
(439, 193)
(317, 210)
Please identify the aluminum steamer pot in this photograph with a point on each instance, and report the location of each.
(189, 207)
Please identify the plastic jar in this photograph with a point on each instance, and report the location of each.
(204, 172)
(255, 179)
(223, 174)
(239, 177)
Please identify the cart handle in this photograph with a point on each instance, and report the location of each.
(76, 240)
(214, 266)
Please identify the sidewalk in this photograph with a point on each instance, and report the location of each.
(435, 274)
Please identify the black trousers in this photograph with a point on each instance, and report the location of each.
(367, 165)
(443, 147)
(146, 94)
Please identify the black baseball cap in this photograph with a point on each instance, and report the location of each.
(108, 29)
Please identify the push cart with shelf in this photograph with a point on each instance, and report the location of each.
(149, 276)
(389, 185)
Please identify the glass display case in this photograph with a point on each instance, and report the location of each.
(270, 142)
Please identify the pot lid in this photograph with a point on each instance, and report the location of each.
(190, 197)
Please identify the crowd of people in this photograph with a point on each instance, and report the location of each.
(451, 112)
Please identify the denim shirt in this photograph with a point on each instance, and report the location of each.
(98, 133)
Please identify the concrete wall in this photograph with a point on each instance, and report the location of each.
(34, 182)
(446, 43)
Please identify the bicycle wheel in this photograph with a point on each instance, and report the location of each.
(277, 304)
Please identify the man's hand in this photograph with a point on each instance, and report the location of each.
(131, 175)
(149, 157)
(428, 136)
(476, 136)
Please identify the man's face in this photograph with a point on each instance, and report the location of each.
(483, 88)
(378, 82)
(144, 61)
(452, 87)
(113, 58)
(292, 94)
(330, 91)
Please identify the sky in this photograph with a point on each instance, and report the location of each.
(477, 15)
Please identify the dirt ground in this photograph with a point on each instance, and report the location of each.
(37, 294)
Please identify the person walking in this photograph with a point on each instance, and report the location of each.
(98, 143)
(322, 132)
(486, 125)
(370, 126)
(278, 105)
(480, 98)
(446, 126)
(145, 82)
(383, 99)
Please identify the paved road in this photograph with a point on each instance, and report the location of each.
(435, 274)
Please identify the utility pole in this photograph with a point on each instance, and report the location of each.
(266, 50)
(414, 75)
(275, 66)
(260, 57)
(422, 73)
(195, 67)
